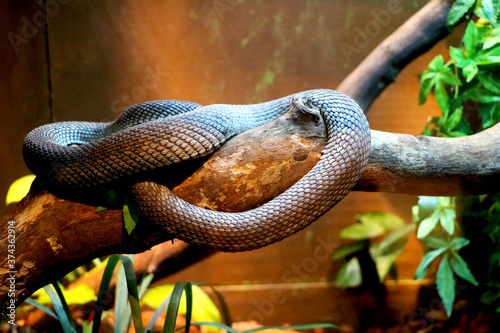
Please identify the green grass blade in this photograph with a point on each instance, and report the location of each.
(64, 304)
(173, 307)
(103, 291)
(121, 305)
(229, 329)
(157, 313)
(294, 327)
(42, 307)
(224, 308)
(133, 293)
(59, 308)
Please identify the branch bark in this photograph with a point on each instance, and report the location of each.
(63, 241)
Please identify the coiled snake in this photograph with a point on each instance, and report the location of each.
(154, 134)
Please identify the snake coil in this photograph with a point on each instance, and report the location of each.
(149, 135)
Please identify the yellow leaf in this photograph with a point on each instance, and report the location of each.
(19, 189)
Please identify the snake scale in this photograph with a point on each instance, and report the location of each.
(76, 155)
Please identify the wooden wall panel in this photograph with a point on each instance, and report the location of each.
(24, 92)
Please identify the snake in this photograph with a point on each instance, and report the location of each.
(77, 155)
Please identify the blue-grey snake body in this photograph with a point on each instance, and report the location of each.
(150, 135)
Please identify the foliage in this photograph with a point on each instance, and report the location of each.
(183, 297)
(469, 78)
(383, 253)
(18, 189)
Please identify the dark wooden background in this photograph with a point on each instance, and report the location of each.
(92, 59)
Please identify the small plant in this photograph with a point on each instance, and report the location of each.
(364, 250)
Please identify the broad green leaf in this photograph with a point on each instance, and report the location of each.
(445, 283)
(425, 88)
(490, 10)
(437, 63)
(489, 36)
(470, 39)
(19, 189)
(458, 243)
(65, 319)
(80, 294)
(349, 249)
(203, 307)
(387, 221)
(441, 96)
(385, 263)
(424, 208)
(454, 118)
(459, 57)
(428, 258)
(360, 231)
(435, 242)
(130, 215)
(489, 82)
(447, 220)
(490, 114)
(100, 209)
(349, 275)
(395, 237)
(490, 296)
(470, 70)
(458, 10)
(427, 225)
(461, 268)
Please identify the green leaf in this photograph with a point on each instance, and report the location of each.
(489, 10)
(470, 70)
(459, 57)
(461, 268)
(441, 96)
(174, 305)
(458, 10)
(63, 316)
(349, 275)
(427, 225)
(103, 291)
(396, 237)
(387, 221)
(131, 214)
(80, 294)
(470, 39)
(458, 243)
(454, 119)
(489, 36)
(445, 282)
(19, 189)
(349, 249)
(489, 82)
(425, 88)
(447, 220)
(100, 209)
(490, 296)
(203, 307)
(428, 258)
(435, 242)
(133, 294)
(360, 231)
